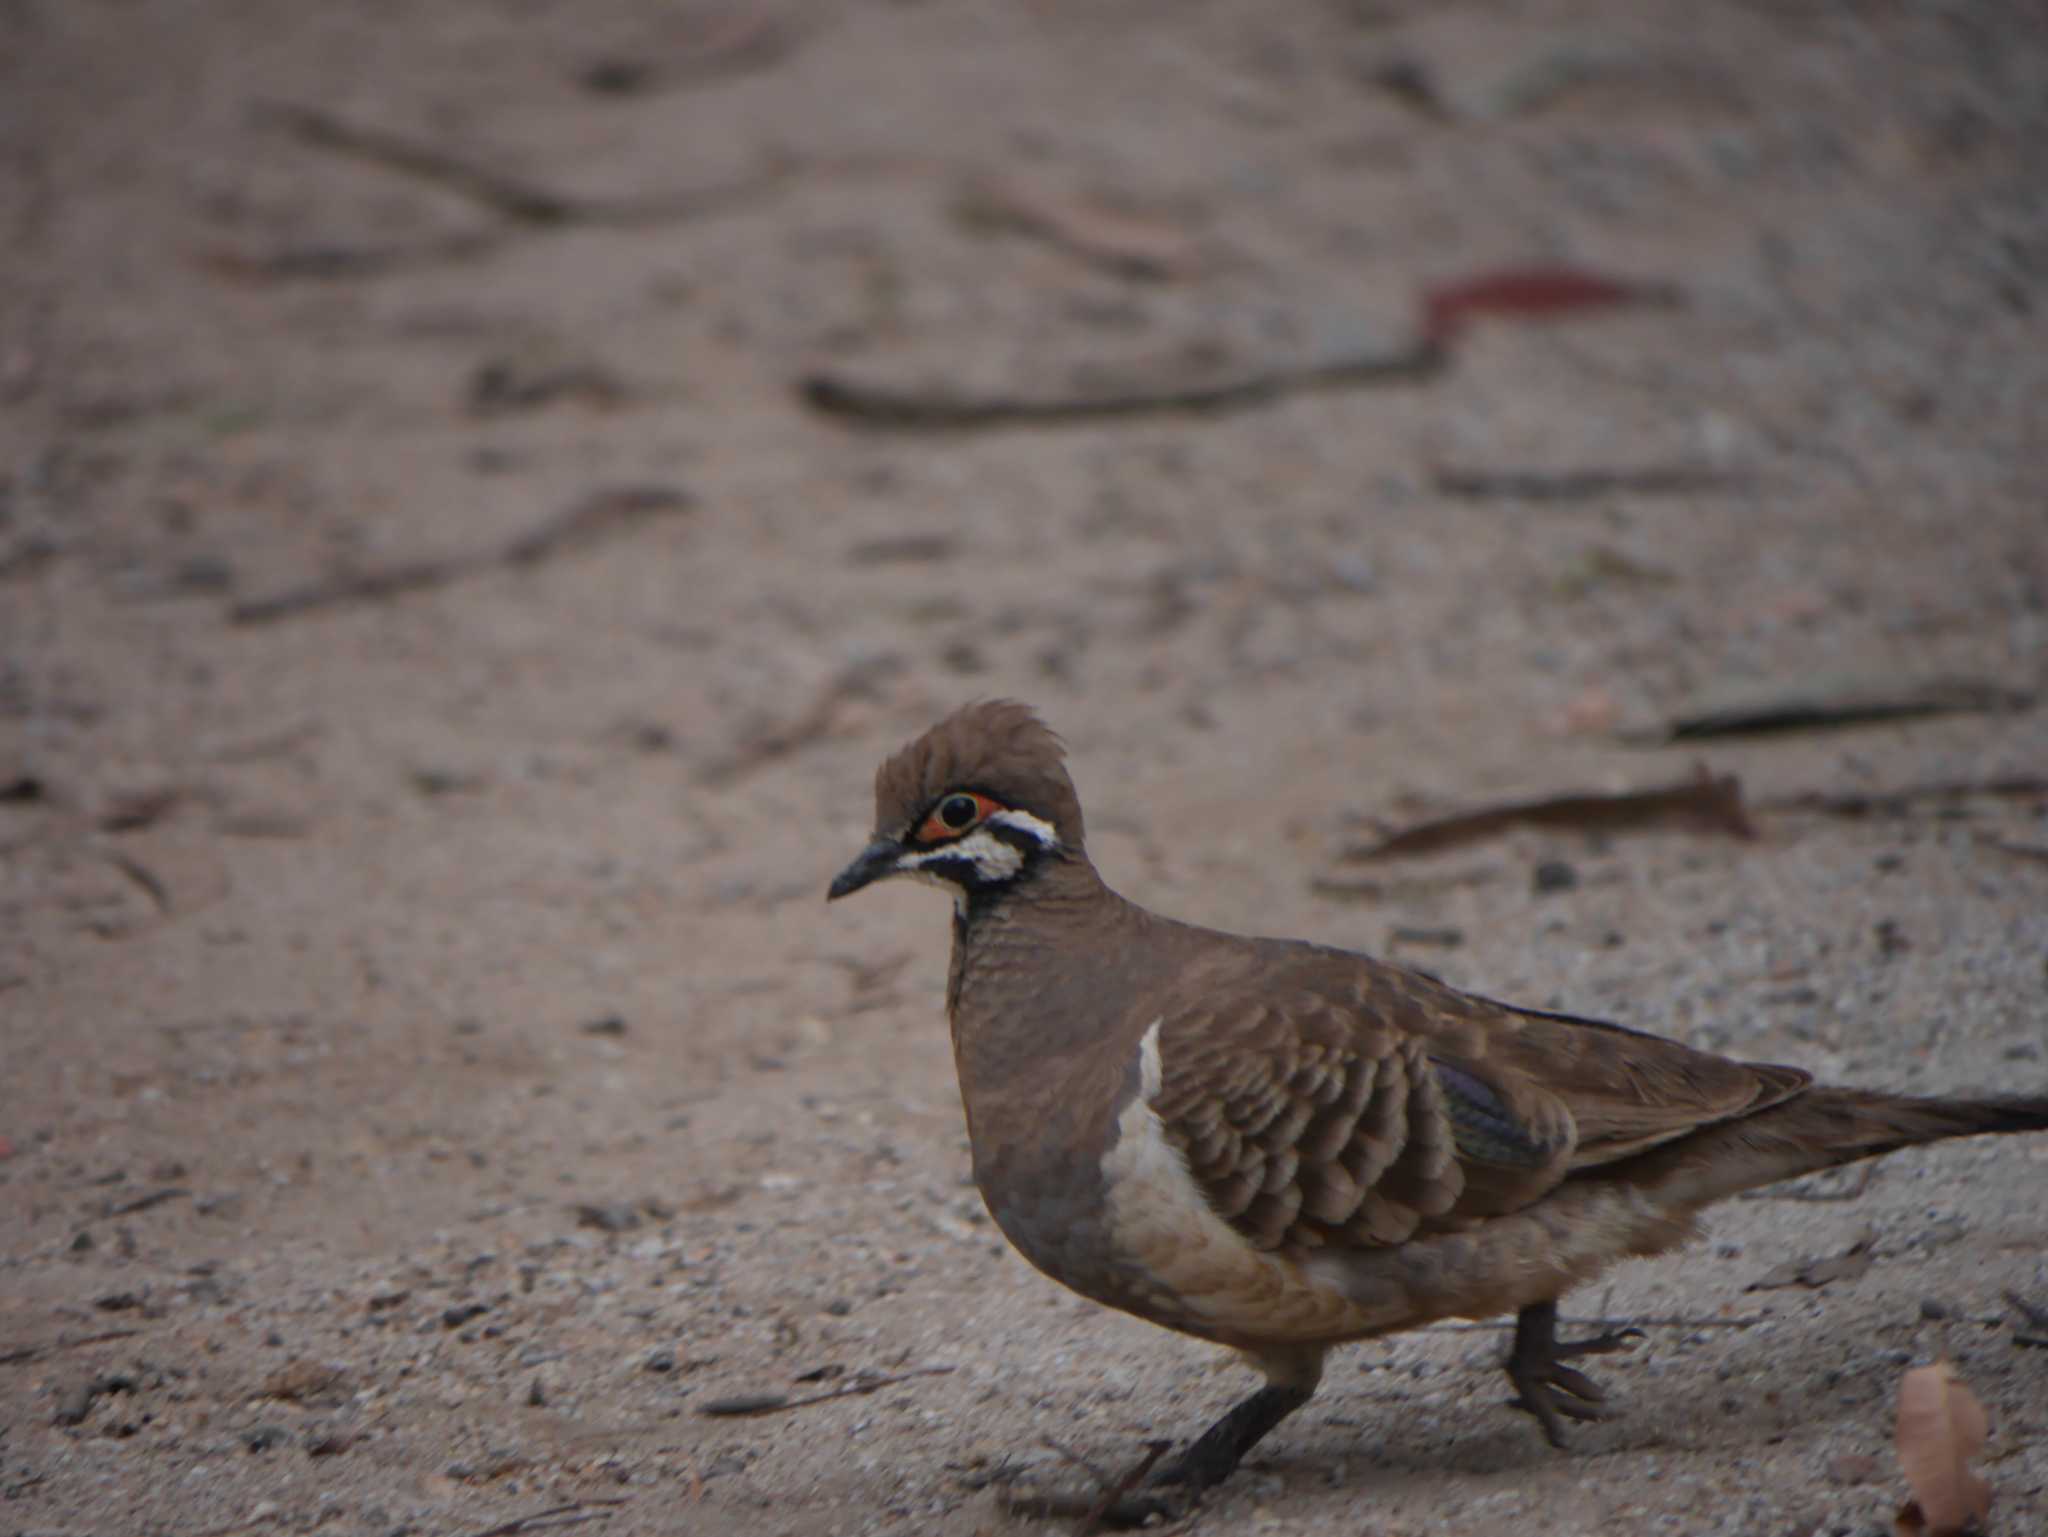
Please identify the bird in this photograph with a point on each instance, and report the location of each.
(1280, 1146)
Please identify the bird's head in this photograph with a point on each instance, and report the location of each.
(977, 804)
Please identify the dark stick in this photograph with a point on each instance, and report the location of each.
(144, 1202)
(1577, 485)
(1643, 1322)
(1899, 802)
(550, 1517)
(503, 195)
(145, 878)
(329, 263)
(2032, 1312)
(776, 1403)
(893, 406)
(1091, 1523)
(521, 202)
(583, 522)
(1849, 1192)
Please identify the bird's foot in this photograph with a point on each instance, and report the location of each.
(1148, 1505)
(1547, 1388)
(1145, 1495)
(1156, 1504)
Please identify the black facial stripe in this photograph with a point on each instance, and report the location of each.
(960, 869)
(1024, 842)
(983, 892)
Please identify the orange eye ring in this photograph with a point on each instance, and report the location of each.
(960, 812)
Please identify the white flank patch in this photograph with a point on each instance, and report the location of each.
(1150, 1075)
(1160, 1220)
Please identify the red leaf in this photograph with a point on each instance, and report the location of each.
(1528, 292)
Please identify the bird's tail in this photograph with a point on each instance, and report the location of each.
(1817, 1130)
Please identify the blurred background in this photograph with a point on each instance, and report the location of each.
(1548, 492)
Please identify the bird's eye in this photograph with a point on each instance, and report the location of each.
(953, 815)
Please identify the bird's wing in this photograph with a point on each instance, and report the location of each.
(1355, 1104)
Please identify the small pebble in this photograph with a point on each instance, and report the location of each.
(1553, 875)
(615, 1217)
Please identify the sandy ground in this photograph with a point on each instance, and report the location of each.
(430, 1074)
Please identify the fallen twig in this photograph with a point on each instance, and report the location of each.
(2035, 851)
(1090, 1510)
(1442, 313)
(357, 587)
(858, 680)
(1645, 1321)
(522, 202)
(2033, 1313)
(1827, 705)
(1128, 244)
(1813, 1274)
(21, 1353)
(1413, 889)
(554, 1516)
(145, 1201)
(878, 404)
(1810, 1191)
(1578, 485)
(1066, 1452)
(1900, 802)
(741, 42)
(776, 1403)
(326, 263)
(145, 879)
(587, 519)
(1091, 1523)
(1705, 802)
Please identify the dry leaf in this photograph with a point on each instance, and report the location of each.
(1705, 802)
(1129, 243)
(1816, 1273)
(1941, 1427)
(301, 1381)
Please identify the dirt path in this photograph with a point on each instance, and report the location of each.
(443, 655)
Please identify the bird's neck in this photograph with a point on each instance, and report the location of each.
(1016, 985)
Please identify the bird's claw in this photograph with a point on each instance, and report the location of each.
(1159, 1503)
(1554, 1392)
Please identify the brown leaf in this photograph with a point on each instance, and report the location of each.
(1941, 1427)
(1705, 802)
(1816, 1273)
(301, 1381)
(1529, 293)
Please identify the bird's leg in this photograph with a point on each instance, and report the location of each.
(1549, 1389)
(1291, 1379)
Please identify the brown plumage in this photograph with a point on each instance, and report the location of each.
(1281, 1146)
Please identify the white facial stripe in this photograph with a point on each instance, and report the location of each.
(994, 860)
(1039, 831)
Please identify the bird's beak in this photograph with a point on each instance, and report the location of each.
(874, 862)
